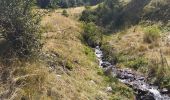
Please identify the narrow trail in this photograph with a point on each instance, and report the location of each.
(143, 90)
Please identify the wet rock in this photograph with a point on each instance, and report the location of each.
(143, 90)
(164, 91)
(108, 71)
(147, 97)
(105, 64)
(140, 78)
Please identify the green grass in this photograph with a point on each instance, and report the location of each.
(152, 34)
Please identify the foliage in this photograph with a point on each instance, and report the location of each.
(136, 63)
(65, 3)
(65, 13)
(43, 3)
(104, 14)
(109, 53)
(88, 16)
(92, 35)
(152, 34)
(158, 11)
(20, 28)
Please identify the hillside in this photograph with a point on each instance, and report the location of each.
(135, 37)
(67, 70)
(115, 50)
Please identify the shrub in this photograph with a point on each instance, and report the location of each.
(110, 54)
(136, 63)
(92, 35)
(88, 16)
(20, 28)
(69, 65)
(65, 13)
(152, 34)
(43, 3)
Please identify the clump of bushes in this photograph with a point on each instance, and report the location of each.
(152, 34)
(110, 54)
(88, 16)
(20, 29)
(92, 35)
(65, 13)
(136, 63)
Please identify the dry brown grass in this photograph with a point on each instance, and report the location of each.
(130, 43)
(65, 41)
(83, 82)
(132, 39)
(74, 13)
(39, 81)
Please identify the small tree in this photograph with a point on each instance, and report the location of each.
(92, 35)
(20, 28)
(65, 13)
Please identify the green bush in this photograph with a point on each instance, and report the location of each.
(152, 34)
(136, 63)
(65, 13)
(110, 54)
(88, 16)
(20, 28)
(69, 65)
(92, 35)
(65, 3)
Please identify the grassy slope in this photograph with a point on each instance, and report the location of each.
(70, 70)
(78, 83)
(84, 79)
(133, 52)
(131, 46)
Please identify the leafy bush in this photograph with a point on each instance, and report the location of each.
(92, 35)
(110, 54)
(43, 3)
(64, 13)
(69, 65)
(20, 28)
(104, 15)
(152, 34)
(136, 63)
(88, 16)
(65, 3)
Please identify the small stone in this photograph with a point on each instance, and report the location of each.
(164, 91)
(92, 82)
(58, 75)
(109, 89)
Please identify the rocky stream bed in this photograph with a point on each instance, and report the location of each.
(143, 90)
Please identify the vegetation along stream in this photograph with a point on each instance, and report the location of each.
(143, 90)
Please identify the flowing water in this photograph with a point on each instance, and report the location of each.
(144, 91)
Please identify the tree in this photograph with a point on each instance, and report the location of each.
(43, 3)
(20, 28)
(64, 13)
(131, 13)
(66, 3)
